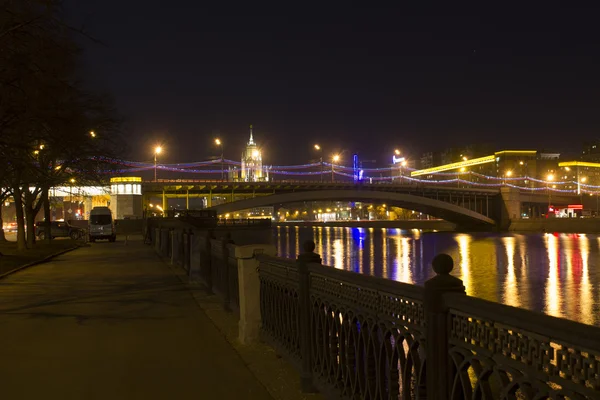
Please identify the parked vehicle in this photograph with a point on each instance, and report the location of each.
(58, 229)
(102, 225)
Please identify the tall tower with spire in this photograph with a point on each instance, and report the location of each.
(252, 168)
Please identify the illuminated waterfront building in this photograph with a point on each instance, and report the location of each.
(252, 168)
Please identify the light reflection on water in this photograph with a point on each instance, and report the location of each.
(558, 274)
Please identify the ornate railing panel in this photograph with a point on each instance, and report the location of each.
(501, 352)
(279, 304)
(216, 251)
(367, 335)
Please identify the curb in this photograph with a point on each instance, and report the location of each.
(43, 260)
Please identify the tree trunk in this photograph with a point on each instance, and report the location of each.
(2, 237)
(47, 215)
(30, 220)
(32, 208)
(21, 243)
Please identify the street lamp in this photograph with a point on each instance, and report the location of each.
(92, 134)
(336, 158)
(72, 180)
(218, 142)
(157, 151)
(550, 178)
(579, 182)
(320, 150)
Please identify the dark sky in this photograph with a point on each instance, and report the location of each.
(355, 79)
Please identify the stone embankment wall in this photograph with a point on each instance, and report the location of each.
(566, 225)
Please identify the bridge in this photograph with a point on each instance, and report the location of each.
(465, 206)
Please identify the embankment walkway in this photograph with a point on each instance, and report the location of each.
(111, 321)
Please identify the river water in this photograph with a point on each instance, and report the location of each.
(557, 274)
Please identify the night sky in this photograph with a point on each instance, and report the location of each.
(353, 79)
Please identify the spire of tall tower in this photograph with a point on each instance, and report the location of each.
(251, 138)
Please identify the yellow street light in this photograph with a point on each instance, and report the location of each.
(397, 152)
(465, 158)
(72, 180)
(508, 173)
(93, 134)
(151, 205)
(218, 142)
(550, 178)
(336, 158)
(583, 179)
(318, 148)
(157, 151)
(520, 162)
(463, 169)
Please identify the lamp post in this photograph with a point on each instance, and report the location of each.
(219, 143)
(579, 182)
(72, 180)
(396, 153)
(336, 158)
(157, 151)
(550, 178)
(320, 150)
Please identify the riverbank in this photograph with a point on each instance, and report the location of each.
(433, 225)
(561, 225)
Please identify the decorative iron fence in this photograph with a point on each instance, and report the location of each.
(501, 352)
(355, 336)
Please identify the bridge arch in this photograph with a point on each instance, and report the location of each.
(436, 208)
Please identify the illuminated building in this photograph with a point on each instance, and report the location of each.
(252, 168)
(516, 163)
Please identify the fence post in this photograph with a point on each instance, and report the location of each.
(187, 250)
(174, 246)
(249, 290)
(196, 254)
(225, 272)
(438, 368)
(206, 260)
(305, 325)
(157, 240)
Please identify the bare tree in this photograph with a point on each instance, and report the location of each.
(45, 115)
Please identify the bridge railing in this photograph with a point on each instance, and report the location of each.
(263, 222)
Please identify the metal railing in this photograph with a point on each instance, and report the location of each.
(356, 336)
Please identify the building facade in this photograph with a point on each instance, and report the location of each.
(252, 167)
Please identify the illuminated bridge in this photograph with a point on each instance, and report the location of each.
(464, 206)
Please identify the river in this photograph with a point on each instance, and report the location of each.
(557, 274)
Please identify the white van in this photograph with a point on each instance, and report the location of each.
(102, 225)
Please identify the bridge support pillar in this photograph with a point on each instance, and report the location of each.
(511, 206)
(165, 203)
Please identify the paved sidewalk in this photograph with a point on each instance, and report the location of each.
(111, 321)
